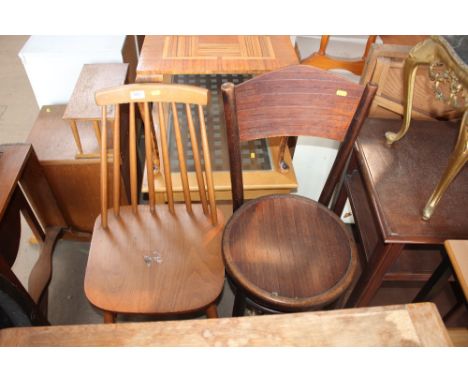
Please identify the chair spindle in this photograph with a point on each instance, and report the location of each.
(196, 159)
(149, 156)
(133, 159)
(209, 175)
(104, 168)
(166, 161)
(116, 159)
(181, 156)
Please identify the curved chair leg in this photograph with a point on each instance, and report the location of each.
(212, 311)
(457, 160)
(239, 304)
(109, 317)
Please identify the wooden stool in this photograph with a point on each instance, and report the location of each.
(82, 106)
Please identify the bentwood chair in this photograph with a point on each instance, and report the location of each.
(156, 259)
(287, 252)
(25, 191)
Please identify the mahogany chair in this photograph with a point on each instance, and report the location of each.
(24, 191)
(321, 60)
(156, 259)
(287, 252)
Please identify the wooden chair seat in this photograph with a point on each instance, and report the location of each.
(136, 264)
(290, 252)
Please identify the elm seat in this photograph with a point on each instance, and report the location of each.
(290, 253)
(311, 270)
(165, 258)
(148, 252)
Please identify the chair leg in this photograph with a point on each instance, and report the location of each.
(239, 304)
(212, 311)
(109, 317)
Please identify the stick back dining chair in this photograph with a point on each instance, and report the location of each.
(287, 252)
(156, 258)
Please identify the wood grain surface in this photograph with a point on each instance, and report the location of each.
(155, 262)
(401, 325)
(290, 251)
(457, 251)
(93, 77)
(401, 177)
(162, 55)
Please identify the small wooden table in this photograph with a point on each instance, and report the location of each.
(400, 325)
(82, 106)
(387, 192)
(169, 55)
(209, 61)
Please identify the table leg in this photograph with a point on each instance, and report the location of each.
(457, 160)
(76, 136)
(436, 282)
(421, 54)
(372, 276)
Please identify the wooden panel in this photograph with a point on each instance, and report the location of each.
(458, 254)
(212, 55)
(320, 104)
(400, 178)
(400, 325)
(93, 77)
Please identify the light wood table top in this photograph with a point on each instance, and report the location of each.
(93, 77)
(457, 251)
(169, 55)
(400, 325)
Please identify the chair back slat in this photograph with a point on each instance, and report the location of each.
(133, 158)
(166, 163)
(208, 171)
(149, 156)
(181, 157)
(196, 158)
(165, 100)
(297, 100)
(104, 167)
(116, 156)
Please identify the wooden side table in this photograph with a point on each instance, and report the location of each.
(82, 107)
(387, 188)
(448, 60)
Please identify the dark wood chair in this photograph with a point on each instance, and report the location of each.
(24, 189)
(287, 252)
(156, 259)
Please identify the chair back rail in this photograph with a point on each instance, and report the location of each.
(297, 100)
(165, 99)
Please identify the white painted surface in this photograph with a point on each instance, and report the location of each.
(53, 63)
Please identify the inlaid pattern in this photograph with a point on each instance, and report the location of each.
(209, 47)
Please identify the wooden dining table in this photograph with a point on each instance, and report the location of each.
(209, 61)
(398, 325)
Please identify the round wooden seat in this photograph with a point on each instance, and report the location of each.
(289, 252)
